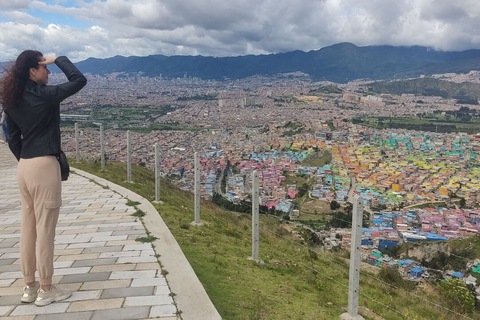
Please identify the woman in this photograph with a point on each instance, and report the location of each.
(33, 119)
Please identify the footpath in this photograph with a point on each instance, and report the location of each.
(97, 257)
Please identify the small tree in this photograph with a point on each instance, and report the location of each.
(334, 205)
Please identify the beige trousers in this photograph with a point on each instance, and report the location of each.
(40, 186)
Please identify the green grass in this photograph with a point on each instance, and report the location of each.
(293, 282)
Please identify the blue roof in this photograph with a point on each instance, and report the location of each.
(457, 274)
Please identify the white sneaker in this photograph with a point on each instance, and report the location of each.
(55, 294)
(30, 293)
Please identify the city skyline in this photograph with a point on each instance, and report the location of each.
(92, 28)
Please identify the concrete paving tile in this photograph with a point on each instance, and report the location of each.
(94, 262)
(11, 275)
(87, 315)
(107, 284)
(6, 282)
(85, 295)
(136, 259)
(62, 264)
(138, 247)
(127, 292)
(74, 257)
(148, 266)
(119, 254)
(116, 267)
(132, 274)
(123, 314)
(72, 271)
(162, 290)
(103, 249)
(87, 245)
(75, 230)
(58, 307)
(121, 243)
(163, 311)
(64, 252)
(9, 300)
(85, 277)
(88, 305)
(109, 238)
(31, 317)
(5, 310)
(142, 282)
(4, 262)
(157, 300)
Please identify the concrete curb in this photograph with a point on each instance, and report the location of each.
(191, 298)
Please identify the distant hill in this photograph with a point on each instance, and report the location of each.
(429, 87)
(338, 63)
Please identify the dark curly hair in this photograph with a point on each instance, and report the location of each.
(15, 78)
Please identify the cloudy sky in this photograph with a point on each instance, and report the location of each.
(105, 28)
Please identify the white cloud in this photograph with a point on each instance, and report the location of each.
(14, 4)
(22, 17)
(224, 28)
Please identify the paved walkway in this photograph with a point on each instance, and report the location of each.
(112, 276)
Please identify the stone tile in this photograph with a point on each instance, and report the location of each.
(163, 311)
(64, 252)
(9, 300)
(157, 300)
(85, 277)
(4, 262)
(125, 314)
(145, 282)
(84, 245)
(116, 267)
(136, 259)
(121, 243)
(96, 305)
(87, 315)
(108, 284)
(58, 307)
(95, 262)
(127, 292)
(6, 282)
(71, 271)
(119, 254)
(148, 266)
(5, 310)
(62, 264)
(103, 249)
(85, 295)
(32, 317)
(132, 274)
(11, 275)
(162, 290)
(71, 257)
(138, 246)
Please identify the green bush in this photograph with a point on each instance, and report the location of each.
(456, 295)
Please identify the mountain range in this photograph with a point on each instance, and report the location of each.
(341, 63)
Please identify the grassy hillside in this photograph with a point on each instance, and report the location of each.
(293, 282)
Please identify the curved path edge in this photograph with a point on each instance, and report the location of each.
(190, 296)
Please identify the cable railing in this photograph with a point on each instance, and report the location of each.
(98, 147)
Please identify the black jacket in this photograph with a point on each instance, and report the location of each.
(34, 124)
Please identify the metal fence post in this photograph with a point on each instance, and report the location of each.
(77, 148)
(102, 150)
(255, 217)
(196, 188)
(355, 256)
(157, 174)
(129, 157)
